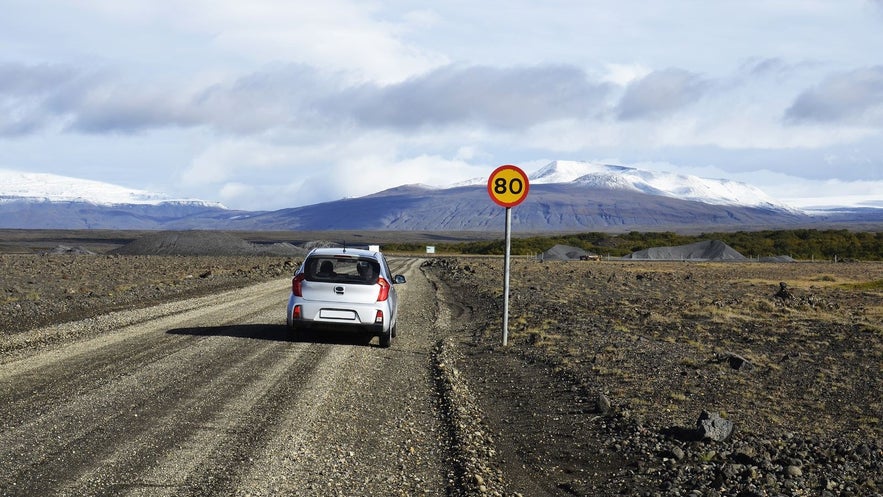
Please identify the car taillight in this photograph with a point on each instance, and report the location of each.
(296, 313)
(378, 318)
(384, 289)
(297, 285)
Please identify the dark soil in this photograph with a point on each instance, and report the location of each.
(798, 375)
(38, 290)
(65, 281)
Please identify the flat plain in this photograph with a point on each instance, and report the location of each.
(789, 353)
(608, 366)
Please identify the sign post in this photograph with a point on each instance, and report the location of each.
(507, 186)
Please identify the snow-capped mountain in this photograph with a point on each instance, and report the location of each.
(564, 196)
(41, 187)
(681, 186)
(49, 201)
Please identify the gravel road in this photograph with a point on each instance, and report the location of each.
(209, 396)
(597, 394)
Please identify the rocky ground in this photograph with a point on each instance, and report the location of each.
(36, 290)
(618, 379)
(677, 378)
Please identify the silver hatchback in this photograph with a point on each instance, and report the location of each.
(345, 288)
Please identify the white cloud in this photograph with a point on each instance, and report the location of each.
(854, 97)
(661, 93)
(337, 35)
(228, 160)
(625, 74)
(256, 100)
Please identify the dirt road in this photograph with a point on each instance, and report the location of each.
(210, 396)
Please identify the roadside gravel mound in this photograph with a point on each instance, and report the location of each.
(474, 451)
(210, 243)
(319, 244)
(708, 250)
(68, 250)
(564, 253)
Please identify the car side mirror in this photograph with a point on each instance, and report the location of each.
(399, 278)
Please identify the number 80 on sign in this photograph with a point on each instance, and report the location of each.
(508, 186)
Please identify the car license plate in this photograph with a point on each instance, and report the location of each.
(337, 314)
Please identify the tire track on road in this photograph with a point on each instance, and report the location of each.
(375, 428)
(215, 399)
(116, 419)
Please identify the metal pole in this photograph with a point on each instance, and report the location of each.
(506, 277)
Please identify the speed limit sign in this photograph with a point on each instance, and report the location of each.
(508, 185)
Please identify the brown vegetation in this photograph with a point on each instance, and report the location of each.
(798, 374)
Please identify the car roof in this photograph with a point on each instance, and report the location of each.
(353, 252)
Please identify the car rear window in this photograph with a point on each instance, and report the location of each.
(342, 270)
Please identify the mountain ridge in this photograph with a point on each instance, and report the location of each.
(45, 187)
(564, 196)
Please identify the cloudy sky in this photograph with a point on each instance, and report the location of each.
(264, 104)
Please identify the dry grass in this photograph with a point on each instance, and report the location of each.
(658, 334)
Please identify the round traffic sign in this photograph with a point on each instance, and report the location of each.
(508, 185)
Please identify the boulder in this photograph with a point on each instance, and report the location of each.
(736, 362)
(712, 426)
(602, 403)
(784, 292)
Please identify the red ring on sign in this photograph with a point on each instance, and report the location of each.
(508, 185)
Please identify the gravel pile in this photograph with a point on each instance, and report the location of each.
(709, 250)
(563, 253)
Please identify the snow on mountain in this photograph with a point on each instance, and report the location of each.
(562, 171)
(41, 187)
(681, 186)
(469, 182)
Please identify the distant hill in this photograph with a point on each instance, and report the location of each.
(45, 214)
(548, 207)
(564, 196)
(49, 201)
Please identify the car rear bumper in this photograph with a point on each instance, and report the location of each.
(331, 315)
(375, 330)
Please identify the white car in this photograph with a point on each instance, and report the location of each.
(345, 288)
